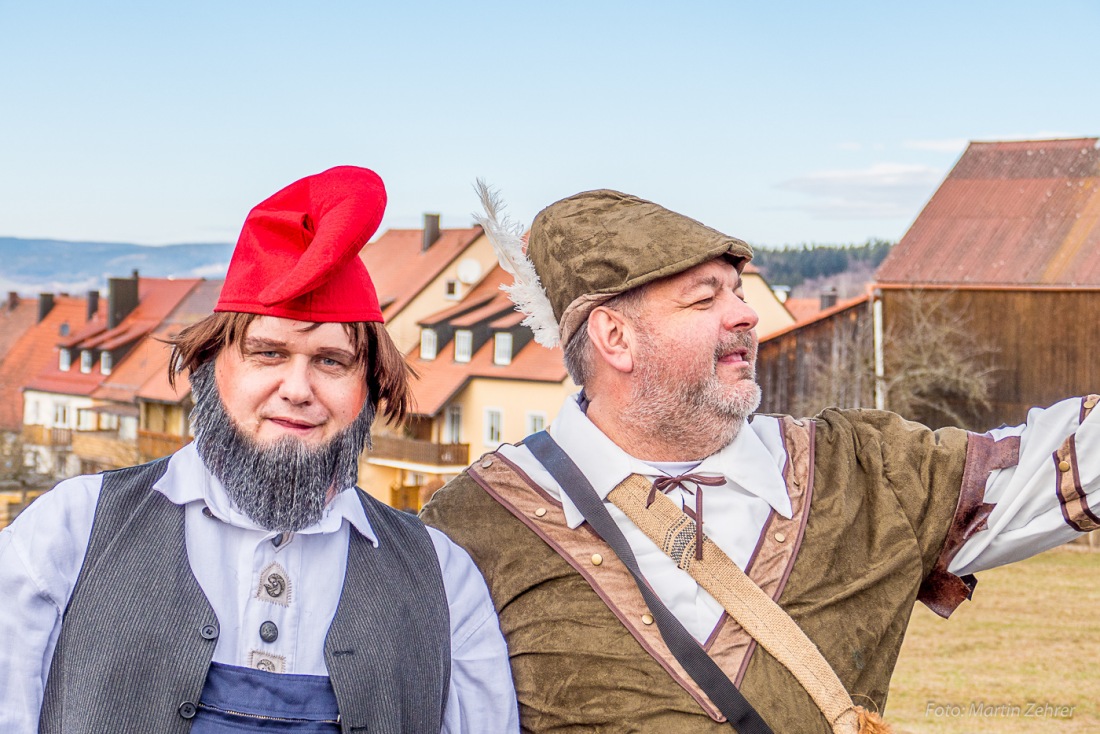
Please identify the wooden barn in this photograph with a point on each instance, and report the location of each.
(824, 360)
(1007, 254)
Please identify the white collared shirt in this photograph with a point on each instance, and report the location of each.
(734, 516)
(1026, 520)
(249, 580)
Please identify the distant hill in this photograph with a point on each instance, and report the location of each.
(34, 266)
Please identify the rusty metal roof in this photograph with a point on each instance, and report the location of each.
(1010, 214)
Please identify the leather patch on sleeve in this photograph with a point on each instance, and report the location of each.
(1071, 496)
(942, 591)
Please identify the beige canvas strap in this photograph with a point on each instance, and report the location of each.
(772, 628)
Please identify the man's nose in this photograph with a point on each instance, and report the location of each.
(740, 316)
(296, 385)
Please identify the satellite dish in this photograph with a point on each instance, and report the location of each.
(469, 270)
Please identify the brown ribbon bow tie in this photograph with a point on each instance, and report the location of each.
(667, 484)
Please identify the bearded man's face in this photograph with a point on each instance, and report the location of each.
(281, 421)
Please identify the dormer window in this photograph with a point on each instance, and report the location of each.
(452, 290)
(86, 360)
(502, 348)
(464, 345)
(64, 360)
(428, 344)
(105, 362)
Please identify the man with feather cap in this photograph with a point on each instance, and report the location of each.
(244, 583)
(664, 560)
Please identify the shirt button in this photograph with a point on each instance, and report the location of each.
(597, 559)
(187, 710)
(269, 632)
(647, 618)
(209, 631)
(1063, 466)
(206, 511)
(540, 512)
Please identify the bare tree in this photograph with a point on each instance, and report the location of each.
(938, 371)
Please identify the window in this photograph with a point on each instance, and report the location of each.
(86, 420)
(452, 429)
(492, 427)
(64, 360)
(464, 345)
(86, 360)
(452, 290)
(535, 422)
(428, 344)
(502, 347)
(60, 415)
(105, 362)
(128, 428)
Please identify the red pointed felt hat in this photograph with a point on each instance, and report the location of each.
(298, 253)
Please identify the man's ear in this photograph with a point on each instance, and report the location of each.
(612, 337)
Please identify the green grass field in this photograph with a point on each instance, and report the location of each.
(1022, 656)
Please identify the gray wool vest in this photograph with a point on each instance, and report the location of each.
(138, 634)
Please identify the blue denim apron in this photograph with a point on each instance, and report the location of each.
(238, 699)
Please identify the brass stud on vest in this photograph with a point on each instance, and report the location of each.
(1091, 403)
(540, 512)
(597, 559)
(780, 537)
(486, 463)
(647, 618)
(1063, 466)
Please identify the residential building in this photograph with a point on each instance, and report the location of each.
(65, 428)
(418, 272)
(483, 381)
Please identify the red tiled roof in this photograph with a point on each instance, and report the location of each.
(157, 298)
(442, 378)
(802, 308)
(820, 315)
(1024, 214)
(399, 267)
(34, 352)
(15, 318)
(147, 359)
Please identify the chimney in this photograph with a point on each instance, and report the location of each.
(431, 231)
(93, 305)
(13, 300)
(122, 298)
(828, 298)
(45, 305)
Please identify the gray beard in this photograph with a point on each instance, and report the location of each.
(282, 485)
(696, 416)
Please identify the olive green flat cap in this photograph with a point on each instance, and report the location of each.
(597, 244)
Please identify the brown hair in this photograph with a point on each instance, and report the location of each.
(384, 367)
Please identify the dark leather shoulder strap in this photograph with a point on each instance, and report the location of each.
(737, 710)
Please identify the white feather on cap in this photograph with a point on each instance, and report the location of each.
(526, 291)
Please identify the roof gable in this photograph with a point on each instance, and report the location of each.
(1022, 213)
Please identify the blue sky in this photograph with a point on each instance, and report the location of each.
(780, 123)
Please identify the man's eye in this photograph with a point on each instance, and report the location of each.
(269, 355)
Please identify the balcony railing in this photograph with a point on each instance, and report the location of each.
(153, 445)
(105, 449)
(46, 436)
(420, 452)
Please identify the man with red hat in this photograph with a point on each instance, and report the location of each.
(235, 584)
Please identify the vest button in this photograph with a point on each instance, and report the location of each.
(780, 537)
(209, 631)
(597, 559)
(269, 632)
(1063, 466)
(187, 710)
(647, 618)
(540, 512)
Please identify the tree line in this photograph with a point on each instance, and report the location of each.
(791, 266)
